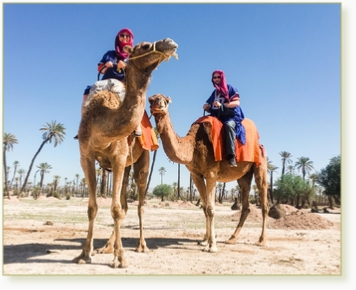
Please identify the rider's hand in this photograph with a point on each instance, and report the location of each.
(217, 104)
(121, 64)
(109, 64)
(206, 107)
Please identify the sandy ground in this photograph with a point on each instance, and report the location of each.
(42, 237)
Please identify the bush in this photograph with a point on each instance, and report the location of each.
(163, 190)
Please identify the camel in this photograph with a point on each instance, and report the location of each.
(196, 152)
(106, 123)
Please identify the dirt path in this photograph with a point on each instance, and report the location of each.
(42, 237)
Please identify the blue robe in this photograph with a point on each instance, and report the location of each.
(239, 115)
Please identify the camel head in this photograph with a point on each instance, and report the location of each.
(146, 56)
(159, 104)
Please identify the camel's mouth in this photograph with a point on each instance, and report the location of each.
(165, 48)
(159, 104)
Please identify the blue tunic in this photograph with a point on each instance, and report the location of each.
(239, 115)
(111, 72)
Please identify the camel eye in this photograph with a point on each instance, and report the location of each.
(146, 46)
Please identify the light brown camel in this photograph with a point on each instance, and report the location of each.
(103, 132)
(196, 152)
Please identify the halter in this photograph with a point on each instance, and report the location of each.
(165, 56)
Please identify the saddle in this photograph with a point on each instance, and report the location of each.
(252, 151)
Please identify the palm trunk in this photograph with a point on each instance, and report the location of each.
(151, 170)
(5, 173)
(178, 196)
(31, 165)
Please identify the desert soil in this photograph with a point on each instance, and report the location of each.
(41, 237)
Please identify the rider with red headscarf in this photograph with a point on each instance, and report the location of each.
(113, 62)
(224, 104)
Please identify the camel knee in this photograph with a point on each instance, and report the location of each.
(210, 211)
(92, 211)
(117, 212)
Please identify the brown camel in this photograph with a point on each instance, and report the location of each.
(106, 123)
(196, 152)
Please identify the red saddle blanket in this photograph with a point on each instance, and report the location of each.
(252, 151)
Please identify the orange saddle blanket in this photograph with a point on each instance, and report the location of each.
(252, 151)
(148, 139)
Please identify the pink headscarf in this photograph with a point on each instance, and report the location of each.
(222, 87)
(119, 45)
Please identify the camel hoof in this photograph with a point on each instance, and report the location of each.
(117, 264)
(203, 243)
(104, 250)
(210, 249)
(261, 244)
(213, 249)
(82, 259)
(231, 241)
(141, 249)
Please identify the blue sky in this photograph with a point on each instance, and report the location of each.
(285, 60)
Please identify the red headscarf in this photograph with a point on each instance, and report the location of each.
(222, 87)
(119, 45)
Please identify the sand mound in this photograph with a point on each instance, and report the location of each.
(294, 219)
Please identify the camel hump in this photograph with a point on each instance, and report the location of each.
(111, 85)
(250, 126)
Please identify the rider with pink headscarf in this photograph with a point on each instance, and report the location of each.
(113, 62)
(224, 104)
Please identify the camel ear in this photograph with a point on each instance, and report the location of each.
(128, 49)
(169, 100)
(149, 99)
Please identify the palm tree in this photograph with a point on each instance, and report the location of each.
(16, 164)
(290, 169)
(178, 180)
(305, 164)
(44, 168)
(271, 168)
(175, 189)
(99, 173)
(285, 159)
(56, 182)
(21, 172)
(8, 144)
(162, 171)
(50, 132)
(77, 181)
(153, 162)
(314, 178)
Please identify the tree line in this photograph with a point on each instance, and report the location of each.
(289, 188)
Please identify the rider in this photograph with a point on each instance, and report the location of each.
(224, 104)
(112, 65)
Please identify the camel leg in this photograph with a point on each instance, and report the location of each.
(118, 211)
(109, 246)
(210, 211)
(88, 165)
(245, 186)
(262, 185)
(200, 185)
(141, 168)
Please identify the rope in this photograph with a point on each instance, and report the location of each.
(166, 57)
